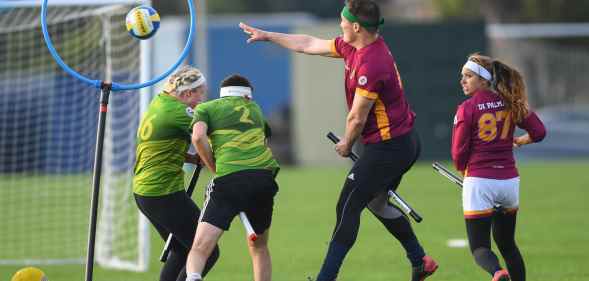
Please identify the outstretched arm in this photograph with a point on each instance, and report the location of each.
(200, 141)
(301, 43)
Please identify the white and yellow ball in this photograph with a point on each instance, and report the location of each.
(142, 22)
(29, 274)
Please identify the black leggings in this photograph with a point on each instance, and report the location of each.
(380, 168)
(503, 227)
(174, 213)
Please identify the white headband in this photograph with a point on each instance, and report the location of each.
(194, 85)
(236, 91)
(478, 69)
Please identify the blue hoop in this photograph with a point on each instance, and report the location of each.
(116, 86)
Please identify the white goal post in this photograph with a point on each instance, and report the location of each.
(48, 125)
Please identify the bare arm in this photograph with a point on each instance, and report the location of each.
(301, 43)
(200, 141)
(354, 124)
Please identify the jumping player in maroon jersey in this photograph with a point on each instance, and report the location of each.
(380, 113)
(482, 150)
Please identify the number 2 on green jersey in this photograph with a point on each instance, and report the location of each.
(244, 115)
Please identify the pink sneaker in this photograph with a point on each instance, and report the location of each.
(428, 268)
(501, 275)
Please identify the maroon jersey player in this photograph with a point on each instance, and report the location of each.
(380, 114)
(483, 136)
(371, 72)
(482, 149)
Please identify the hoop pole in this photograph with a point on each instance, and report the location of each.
(104, 96)
(117, 86)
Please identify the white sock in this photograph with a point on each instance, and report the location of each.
(193, 276)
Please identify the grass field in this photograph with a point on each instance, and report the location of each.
(552, 230)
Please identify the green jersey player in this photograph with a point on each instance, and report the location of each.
(163, 140)
(229, 136)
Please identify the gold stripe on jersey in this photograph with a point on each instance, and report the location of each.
(334, 53)
(158, 168)
(226, 132)
(382, 119)
(366, 94)
(152, 152)
(250, 139)
(267, 155)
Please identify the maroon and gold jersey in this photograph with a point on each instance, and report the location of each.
(372, 73)
(482, 137)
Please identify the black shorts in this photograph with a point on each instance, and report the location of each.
(251, 191)
(382, 165)
(174, 213)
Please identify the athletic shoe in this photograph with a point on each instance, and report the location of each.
(501, 275)
(427, 268)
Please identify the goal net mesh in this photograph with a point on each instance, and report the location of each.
(48, 122)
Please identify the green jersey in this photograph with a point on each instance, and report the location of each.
(236, 133)
(163, 139)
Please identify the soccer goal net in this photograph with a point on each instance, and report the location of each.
(48, 123)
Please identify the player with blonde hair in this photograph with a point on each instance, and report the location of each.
(163, 140)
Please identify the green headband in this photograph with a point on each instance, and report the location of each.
(352, 18)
